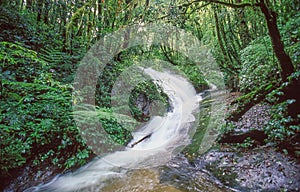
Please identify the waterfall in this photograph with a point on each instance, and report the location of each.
(164, 136)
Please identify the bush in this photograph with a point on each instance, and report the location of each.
(281, 126)
(36, 124)
(18, 63)
(259, 65)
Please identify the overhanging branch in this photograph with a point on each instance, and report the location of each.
(232, 5)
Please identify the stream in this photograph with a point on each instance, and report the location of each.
(154, 163)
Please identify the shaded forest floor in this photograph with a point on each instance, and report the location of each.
(258, 169)
(252, 165)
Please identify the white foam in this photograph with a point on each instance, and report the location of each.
(167, 134)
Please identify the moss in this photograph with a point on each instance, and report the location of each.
(191, 151)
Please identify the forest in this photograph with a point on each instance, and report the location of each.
(51, 88)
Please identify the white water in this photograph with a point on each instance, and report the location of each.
(168, 134)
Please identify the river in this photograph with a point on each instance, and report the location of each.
(144, 166)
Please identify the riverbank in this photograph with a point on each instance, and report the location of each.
(248, 163)
(241, 166)
(258, 169)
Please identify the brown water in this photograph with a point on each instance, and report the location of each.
(139, 181)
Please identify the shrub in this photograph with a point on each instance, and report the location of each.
(18, 63)
(281, 126)
(259, 65)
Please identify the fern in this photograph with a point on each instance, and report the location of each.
(52, 55)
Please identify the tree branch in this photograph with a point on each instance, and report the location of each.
(232, 5)
(247, 101)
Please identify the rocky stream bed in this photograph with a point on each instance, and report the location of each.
(228, 166)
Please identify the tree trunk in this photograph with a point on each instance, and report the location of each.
(219, 37)
(29, 5)
(40, 4)
(46, 11)
(226, 56)
(285, 61)
(243, 27)
(250, 100)
(140, 140)
(287, 68)
(63, 23)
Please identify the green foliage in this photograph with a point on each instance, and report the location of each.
(247, 143)
(107, 80)
(151, 92)
(291, 37)
(194, 74)
(20, 26)
(102, 127)
(18, 63)
(62, 65)
(12, 150)
(259, 65)
(281, 125)
(227, 127)
(36, 123)
(116, 131)
(78, 159)
(289, 25)
(37, 55)
(13, 26)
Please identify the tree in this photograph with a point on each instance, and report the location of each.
(285, 62)
(287, 67)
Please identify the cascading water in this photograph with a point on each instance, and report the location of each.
(166, 136)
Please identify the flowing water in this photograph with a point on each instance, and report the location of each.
(140, 168)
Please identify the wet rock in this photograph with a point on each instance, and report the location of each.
(185, 176)
(31, 176)
(143, 104)
(260, 169)
(150, 108)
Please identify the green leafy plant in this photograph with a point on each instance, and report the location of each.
(259, 65)
(151, 92)
(281, 126)
(18, 63)
(227, 127)
(246, 144)
(36, 123)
